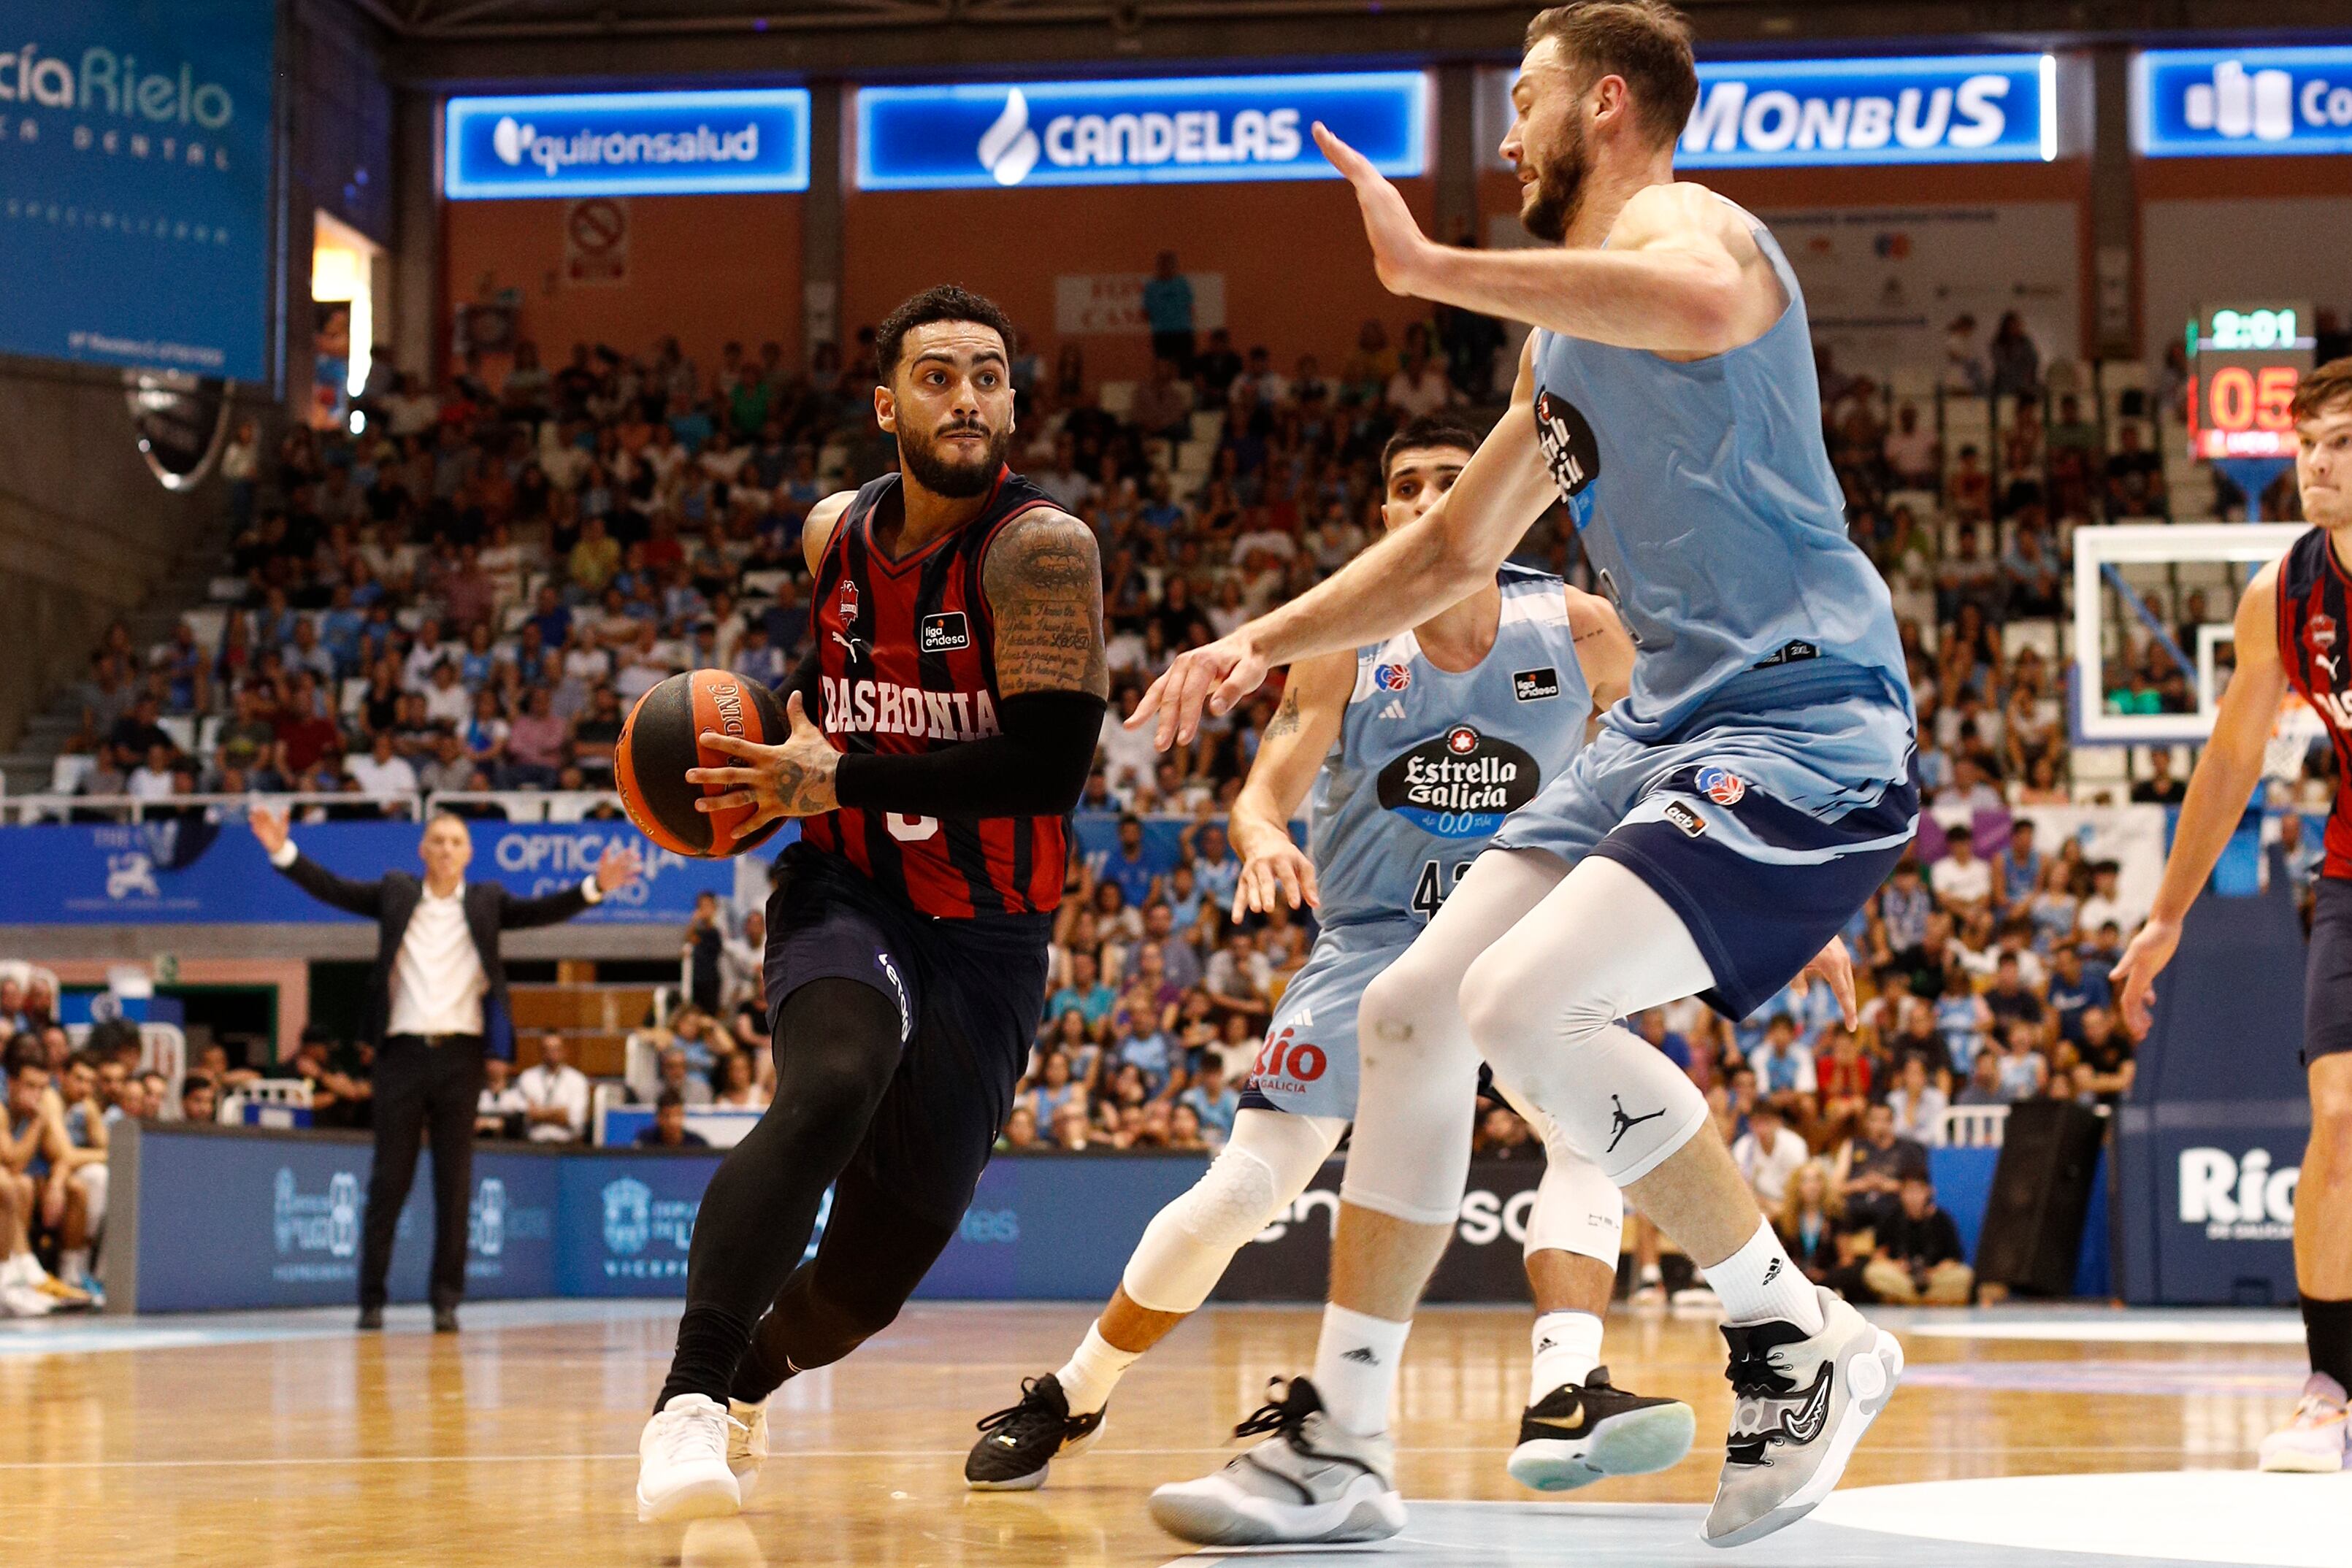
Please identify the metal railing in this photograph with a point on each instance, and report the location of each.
(306, 806)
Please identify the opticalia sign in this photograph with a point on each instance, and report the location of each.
(1970, 109)
(2201, 103)
(1175, 130)
(626, 144)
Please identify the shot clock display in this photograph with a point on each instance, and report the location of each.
(2244, 363)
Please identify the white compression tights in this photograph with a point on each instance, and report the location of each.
(1530, 963)
(1264, 1165)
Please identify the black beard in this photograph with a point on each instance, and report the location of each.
(956, 481)
(1558, 191)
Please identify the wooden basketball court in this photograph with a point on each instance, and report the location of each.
(284, 1439)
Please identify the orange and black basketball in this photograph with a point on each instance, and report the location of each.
(662, 740)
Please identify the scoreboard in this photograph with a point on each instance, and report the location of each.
(2244, 363)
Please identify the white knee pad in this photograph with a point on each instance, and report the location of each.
(1415, 1095)
(1577, 1208)
(1267, 1164)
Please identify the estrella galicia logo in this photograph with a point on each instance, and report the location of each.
(1535, 685)
(1571, 450)
(325, 1222)
(944, 631)
(1009, 149)
(628, 1215)
(1721, 785)
(1461, 784)
(1683, 817)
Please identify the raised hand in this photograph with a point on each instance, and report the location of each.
(269, 826)
(794, 779)
(1399, 247)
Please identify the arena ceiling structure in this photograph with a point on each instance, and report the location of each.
(475, 39)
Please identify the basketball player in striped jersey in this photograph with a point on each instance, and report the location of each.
(2292, 635)
(942, 729)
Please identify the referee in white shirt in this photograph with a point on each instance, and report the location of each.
(436, 968)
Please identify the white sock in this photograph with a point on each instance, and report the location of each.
(1568, 1347)
(1652, 1275)
(73, 1265)
(1356, 1368)
(1759, 1284)
(1094, 1370)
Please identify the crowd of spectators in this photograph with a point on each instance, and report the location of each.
(467, 594)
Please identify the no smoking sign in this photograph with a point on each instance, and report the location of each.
(596, 241)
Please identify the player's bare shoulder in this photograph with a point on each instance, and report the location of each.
(817, 531)
(1042, 576)
(1686, 217)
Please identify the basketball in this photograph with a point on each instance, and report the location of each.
(660, 742)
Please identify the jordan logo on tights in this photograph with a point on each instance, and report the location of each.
(1624, 1123)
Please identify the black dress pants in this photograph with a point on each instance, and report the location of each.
(420, 1086)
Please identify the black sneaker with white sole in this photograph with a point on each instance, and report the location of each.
(1585, 1432)
(1018, 1442)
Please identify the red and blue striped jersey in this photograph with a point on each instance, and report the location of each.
(907, 653)
(2313, 617)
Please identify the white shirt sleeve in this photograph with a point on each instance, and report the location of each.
(284, 856)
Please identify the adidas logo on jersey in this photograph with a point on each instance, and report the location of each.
(1394, 710)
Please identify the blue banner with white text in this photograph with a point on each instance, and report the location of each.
(192, 870)
(2205, 103)
(1967, 109)
(134, 183)
(1171, 130)
(626, 144)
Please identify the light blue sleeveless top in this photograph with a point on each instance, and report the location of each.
(1429, 762)
(1704, 497)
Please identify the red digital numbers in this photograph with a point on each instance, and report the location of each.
(2239, 399)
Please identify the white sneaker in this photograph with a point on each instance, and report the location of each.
(1309, 1481)
(19, 1296)
(682, 1469)
(2312, 1441)
(1800, 1403)
(747, 1444)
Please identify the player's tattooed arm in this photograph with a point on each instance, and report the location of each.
(1044, 581)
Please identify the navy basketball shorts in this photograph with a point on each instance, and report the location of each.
(2327, 973)
(968, 995)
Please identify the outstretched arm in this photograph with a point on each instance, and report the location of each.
(364, 899)
(1289, 753)
(2219, 790)
(1409, 575)
(1682, 275)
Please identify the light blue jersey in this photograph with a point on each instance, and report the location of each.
(1428, 765)
(1758, 776)
(1702, 496)
(1430, 762)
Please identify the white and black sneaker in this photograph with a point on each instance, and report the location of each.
(1309, 1481)
(1584, 1432)
(1800, 1403)
(1018, 1442)
(682, 1468)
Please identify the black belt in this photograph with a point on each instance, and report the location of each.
(439, 1039)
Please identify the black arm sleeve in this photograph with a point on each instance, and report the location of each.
(548, 909)
(1036, 767)
(804, 680)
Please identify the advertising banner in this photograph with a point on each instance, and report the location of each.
(193, 869)
(2209, 103)
(228, 1219)
(1176, 130)
(625, 144)
(135, 161)
(1969, 108)
(1110, 304)
(2211, 1144)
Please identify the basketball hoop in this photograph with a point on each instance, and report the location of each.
(2292, 734)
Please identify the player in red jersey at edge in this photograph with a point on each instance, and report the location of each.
(942, 728)
(2294, 631)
